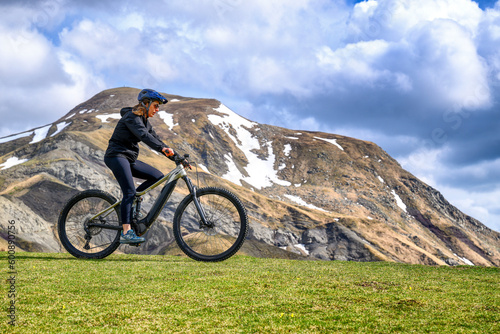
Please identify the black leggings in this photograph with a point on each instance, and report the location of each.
(124, 172)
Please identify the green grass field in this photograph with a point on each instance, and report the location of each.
(56, 293)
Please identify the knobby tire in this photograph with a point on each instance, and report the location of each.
(227, 217)
(74, 217)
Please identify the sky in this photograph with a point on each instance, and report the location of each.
(420, 78)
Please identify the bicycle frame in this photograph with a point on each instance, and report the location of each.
(171, 181)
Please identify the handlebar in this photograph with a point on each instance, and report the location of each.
(182, 160)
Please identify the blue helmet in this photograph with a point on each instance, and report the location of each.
(152, 96)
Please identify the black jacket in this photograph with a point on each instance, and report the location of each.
(130, 130)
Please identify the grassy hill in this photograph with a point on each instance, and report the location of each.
(170, 294)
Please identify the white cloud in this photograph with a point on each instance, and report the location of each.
(361, 64)
(298, 48)
(269, 75)
(452, 70)
(26, 58)
(101, 45)
(161, 69)
(129, 21)
(393, 20)
(221, 36)
(410, 60)
(37, 80)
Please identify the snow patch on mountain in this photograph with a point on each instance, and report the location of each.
(234, 175)
(261, 172)
(287, 150)
(300, 201)
(11, 162)
(168, 119)
(232, 118)
(399, 202)
(14, 137)
(60, 126)
(302, 247)
(204, 168)
(464, 259)
(104, 118)
(331, 141)
(40, 134)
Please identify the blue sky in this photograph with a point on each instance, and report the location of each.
(419, 78)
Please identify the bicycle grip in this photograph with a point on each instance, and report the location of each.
(168, 152)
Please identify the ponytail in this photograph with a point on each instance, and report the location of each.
(140, 109)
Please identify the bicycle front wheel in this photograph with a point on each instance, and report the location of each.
(225, 232)
(76, 234)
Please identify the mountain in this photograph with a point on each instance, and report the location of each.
(309, 195)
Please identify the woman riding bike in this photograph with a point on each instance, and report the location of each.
(123, 151)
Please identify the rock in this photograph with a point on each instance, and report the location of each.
(283, 238)
(32, 232)
(315, 236)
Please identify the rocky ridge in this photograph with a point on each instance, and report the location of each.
(309, 195)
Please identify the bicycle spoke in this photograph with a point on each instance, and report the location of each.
(225, 229)
(78, 236)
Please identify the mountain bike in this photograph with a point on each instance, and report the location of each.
(210, 224)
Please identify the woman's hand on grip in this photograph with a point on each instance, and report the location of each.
(168, 152)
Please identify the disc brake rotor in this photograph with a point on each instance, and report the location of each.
(208, 229)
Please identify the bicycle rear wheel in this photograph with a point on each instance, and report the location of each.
(83, 241)
(227, 228)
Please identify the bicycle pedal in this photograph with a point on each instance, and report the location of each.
(136, 245)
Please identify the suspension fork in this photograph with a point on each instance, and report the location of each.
(199, 208)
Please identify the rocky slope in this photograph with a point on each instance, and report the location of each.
(309, 195)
